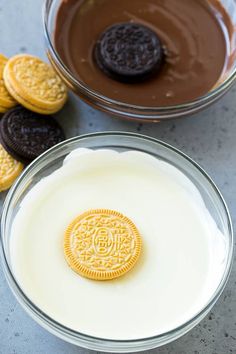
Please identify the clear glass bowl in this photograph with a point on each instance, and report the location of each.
(52, 160)
(132, 112)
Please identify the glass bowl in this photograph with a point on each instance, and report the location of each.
(52, 160)
(133, 112)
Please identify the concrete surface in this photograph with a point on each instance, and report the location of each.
(208, 137)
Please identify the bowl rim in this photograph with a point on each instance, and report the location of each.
(155, 111)
(77, 337)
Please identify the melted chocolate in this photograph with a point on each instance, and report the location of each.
(197, 48)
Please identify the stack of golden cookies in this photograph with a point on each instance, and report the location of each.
(26, 80)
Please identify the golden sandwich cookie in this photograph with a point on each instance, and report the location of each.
(34, 84)
(10, 169)
(102, 244)
(6, 100)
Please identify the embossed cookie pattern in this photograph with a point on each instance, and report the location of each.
(102, 244)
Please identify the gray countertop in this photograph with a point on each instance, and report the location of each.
(208, 137)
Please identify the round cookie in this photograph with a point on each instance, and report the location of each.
(10, 169)
(26, 134)
(129, 52)
(102, 244)
(6, 100)
(34, 84)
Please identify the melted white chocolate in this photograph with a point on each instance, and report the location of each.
(182, 257)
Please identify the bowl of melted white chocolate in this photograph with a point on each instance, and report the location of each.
(116, 242)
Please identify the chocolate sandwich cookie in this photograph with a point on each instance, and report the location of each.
(26, 135)
(129, 52)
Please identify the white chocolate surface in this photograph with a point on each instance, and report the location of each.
(183, 251)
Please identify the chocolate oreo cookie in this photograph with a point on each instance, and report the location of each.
(129, 52)
(26, 135)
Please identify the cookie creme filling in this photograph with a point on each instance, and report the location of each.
(182, 258)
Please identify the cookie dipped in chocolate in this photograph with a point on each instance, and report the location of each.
(195, 35)
(129, 52)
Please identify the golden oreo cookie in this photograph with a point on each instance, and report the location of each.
(6, 100)
(102, 244)
(34, 84)
(10, 169)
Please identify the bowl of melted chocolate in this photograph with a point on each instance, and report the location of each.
(144, 59)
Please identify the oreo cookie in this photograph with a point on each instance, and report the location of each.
(25, 135)
(129, 52)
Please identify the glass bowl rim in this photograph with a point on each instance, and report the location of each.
(201, 101)
(57, 327)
